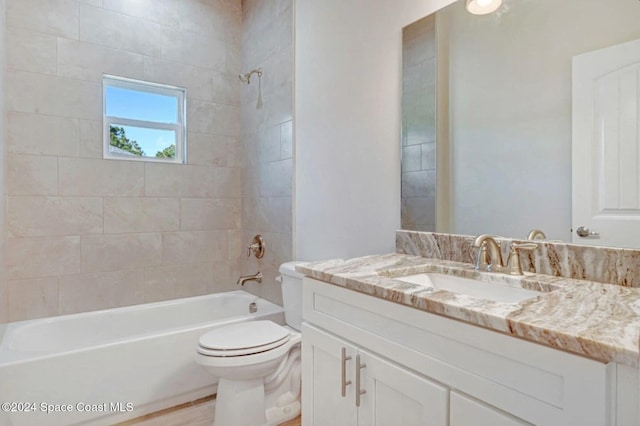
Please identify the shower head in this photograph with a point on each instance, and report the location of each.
(246, 77)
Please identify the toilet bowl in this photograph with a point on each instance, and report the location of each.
(257, 363)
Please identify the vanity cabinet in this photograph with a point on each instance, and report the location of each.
(426, 369)
(351, 386)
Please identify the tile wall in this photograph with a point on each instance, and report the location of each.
(267, 132)
(85, 233)
(418, 209)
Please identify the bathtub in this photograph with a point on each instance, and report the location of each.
(108, 366)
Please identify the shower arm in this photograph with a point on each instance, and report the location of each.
(246, 78)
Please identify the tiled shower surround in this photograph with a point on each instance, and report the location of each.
(84, 233)
(267, 138)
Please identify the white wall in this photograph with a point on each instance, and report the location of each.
(4, 316)
(348, 61)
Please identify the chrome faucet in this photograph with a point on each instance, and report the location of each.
(256, 277)
(489, 254)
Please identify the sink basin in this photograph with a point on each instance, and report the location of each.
(482, 289)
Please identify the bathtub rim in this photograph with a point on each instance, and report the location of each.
(26, 356)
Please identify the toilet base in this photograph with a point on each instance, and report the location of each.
(240, 402)
(256, 403)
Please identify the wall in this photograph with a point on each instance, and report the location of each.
(267, 138)
(86, 233)
(348, 62)
(510, 108)
(4, 313)
(418, 209)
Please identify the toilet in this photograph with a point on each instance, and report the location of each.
(258, 363)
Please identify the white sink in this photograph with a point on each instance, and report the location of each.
(482, 289)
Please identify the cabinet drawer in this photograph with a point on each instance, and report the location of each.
(465, 411)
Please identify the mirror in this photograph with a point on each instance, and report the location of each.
(500, 125)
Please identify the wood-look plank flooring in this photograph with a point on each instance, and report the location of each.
(196, 413)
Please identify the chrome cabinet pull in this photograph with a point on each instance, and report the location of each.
(359, 391)
(344, 381)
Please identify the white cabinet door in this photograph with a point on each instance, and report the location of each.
(395, 396)
(466, 411)
(322, 380)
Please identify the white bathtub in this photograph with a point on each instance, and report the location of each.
(108, 366)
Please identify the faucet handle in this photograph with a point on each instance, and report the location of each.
(513, 263)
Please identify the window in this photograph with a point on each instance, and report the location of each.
(143, 121)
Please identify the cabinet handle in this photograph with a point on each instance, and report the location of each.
(359, 391)
(344, 381)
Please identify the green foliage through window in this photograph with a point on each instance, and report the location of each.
(119, 139)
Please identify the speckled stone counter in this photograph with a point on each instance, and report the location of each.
(600, 321)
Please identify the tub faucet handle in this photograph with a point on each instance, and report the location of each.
(257, 247)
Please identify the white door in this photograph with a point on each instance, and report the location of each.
(606, 146)
(395, 396)
(325, 373)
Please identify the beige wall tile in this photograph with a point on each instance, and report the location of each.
(160, 11)
(53, 216)
(120, 251)
(236, 154)
(268, 145)
(202, 51)
(29, 50)
(42, 257)
(212, 118)
(286, 140)
(4, 302)
(103, 290)
(236, 246)
(29, 133)
(276, 179)
(193, 246)
(31, 175)
(172, 282)
(91, 139)
(86, 61)
(59, 17)
(105, 28)
(44, 94)
(204, 214)
(207, 149)
(123, 215)
(35, 298)
(226, 89)
(227, 182)
(197, 80)
(178, 180)
(89, 177)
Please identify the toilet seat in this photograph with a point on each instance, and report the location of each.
(243, 339)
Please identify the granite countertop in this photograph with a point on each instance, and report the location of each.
(600, 321)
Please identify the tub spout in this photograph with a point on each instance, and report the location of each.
(256, 277)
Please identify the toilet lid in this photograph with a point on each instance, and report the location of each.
(243, 338)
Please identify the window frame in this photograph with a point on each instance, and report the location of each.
(180, 127)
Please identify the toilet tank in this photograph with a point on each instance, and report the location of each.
(292, 294)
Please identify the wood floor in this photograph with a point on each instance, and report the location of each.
(196, 413)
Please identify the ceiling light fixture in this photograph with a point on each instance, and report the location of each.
(482, 7)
